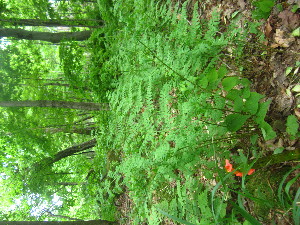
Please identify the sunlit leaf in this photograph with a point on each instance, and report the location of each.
(267, 131)
(292, 125)
(229, 82)
(251, 105)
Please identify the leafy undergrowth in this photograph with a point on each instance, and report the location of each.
(178, 111)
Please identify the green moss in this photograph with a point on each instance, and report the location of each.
(263, 186)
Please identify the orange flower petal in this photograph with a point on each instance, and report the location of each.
(228, 166)
(238, 174)
(251, 171)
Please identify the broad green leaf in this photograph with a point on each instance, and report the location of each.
(222, 72)
(296, 88)
(292, 125)
(238, 104)
(288, 70)
(233, 94)
(267, 131)
(246, 92)
(245, 82)
(251, 105)
(253, 139)
(229, 82)
(234, 122)
(212, 76)
(265, 5)
(296, 32)
(262, 111)
(258, 14)
(278, 150)
(203, 82)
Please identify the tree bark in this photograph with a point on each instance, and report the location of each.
(39, 166)
(56, 104)
(89, 222)
(72, 150)
(72, 130)
(45, 36)
(70, 184)
(50, 22)
(66, 85)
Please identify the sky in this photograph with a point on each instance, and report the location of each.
(4, 42)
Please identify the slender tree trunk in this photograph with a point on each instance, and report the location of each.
(45, 36)
(50, 22)
(57, 84)
(73, 150)
(50, 174)
(42, 79)
(89, 222)
(39, 166)
(56, 104)
(69, 183)
(72, 130)
(66, 85)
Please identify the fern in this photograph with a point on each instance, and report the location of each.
(174, 107)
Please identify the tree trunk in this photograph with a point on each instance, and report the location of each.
(70, 184)
(46, 162)
(45, 36)
(72, 130)
(72, 150)
(66, 85)
(89, 222)
(50, 22)
(56, 104)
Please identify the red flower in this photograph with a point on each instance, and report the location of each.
(251, 171)
(238, 173)
(229, 168)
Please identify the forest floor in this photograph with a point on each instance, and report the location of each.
(272, 65)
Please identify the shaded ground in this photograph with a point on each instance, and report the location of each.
(271, 65)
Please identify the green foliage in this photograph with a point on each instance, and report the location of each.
(263, 9)
(31, 136)
(277, 193)
(234, 122)
(292, 125)
(71, 56)
(229, 82)
(173, 106)
(246, 215)
(176, 111)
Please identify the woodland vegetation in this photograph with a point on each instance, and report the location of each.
(142, 112)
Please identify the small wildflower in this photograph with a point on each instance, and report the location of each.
(238, 173)
(229, 168)
(251, 171)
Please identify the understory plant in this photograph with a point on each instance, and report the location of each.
(176, 112)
